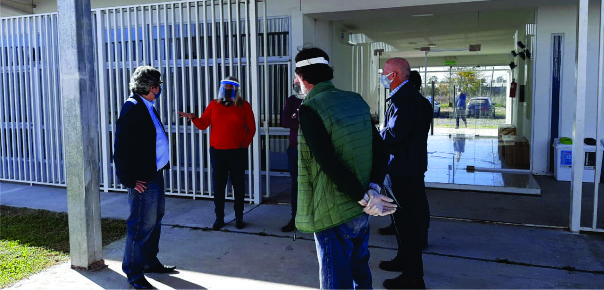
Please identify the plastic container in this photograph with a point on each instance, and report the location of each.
(563, 161)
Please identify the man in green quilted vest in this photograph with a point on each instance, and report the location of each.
(341, 162)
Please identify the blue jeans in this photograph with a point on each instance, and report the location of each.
(343, 255)
(292, 164)
(144, 228)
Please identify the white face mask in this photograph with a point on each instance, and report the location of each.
(385, 80)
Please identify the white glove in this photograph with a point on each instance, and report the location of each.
(376, 204)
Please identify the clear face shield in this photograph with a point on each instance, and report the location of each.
(228, 91)
(297, 88)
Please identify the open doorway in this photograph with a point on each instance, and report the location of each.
(482, 141)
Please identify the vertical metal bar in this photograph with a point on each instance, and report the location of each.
(102, 100)
(161, 108)
(223, 64)
(125, 63)
(117, 100)
(191, 133)
(238, 40)
(230, 37)
(108, 65)
(179, 134)
(45, 95)
(4, 120)
(131, 40)
(578, 151)
(214, 59)
(144, 37)
(28, 115)
(19, 100)
(253, 58)
(149, 42)
(38, 99)
(173, 99)
(47, 100)
(599, 103)
(136, 38)
(253, 177)
(169, 84)
(11, 97)
(267, 98)
(206, 40)
(56, 102)
(197, 165)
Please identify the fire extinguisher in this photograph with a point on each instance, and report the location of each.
(513, 86)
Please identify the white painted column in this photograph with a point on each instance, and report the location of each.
(578, 151)
(80, 132)
(600, 111)
(255, 83)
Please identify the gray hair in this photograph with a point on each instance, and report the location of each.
(143, 79)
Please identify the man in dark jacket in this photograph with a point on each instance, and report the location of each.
(141, 153)
(405, 134)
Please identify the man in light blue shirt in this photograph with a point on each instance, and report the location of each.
(140, 155)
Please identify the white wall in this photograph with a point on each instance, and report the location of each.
(552, 20)
(341, 59)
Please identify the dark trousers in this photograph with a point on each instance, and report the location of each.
(411, 220)
(460, 113)
(292, 163)
(228, 163)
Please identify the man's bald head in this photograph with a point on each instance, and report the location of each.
(401, 69)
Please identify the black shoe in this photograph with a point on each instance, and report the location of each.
(219, 223)
(393, 265)
(402, 282)
(389, 230)
(239, 224)
(290, 226)
(141, 283)
(161, 269)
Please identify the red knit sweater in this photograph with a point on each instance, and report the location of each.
(232, 127)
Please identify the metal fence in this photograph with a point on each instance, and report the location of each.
(193, 43)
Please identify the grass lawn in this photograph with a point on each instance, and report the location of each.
(32, 240)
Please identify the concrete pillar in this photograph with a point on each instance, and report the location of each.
(80, 133)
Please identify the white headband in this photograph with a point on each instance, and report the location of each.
(310, 61)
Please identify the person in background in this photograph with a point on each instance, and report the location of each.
(141, 153)
(405, 133)
(460, 109)
(233, 127)
(416, 80)
(289, 119)
(341, 163)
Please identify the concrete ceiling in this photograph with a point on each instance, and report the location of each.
(24, 6)
(442, 27)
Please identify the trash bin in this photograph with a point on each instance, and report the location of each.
(563, 161)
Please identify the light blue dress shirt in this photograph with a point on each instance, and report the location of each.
(162, 149)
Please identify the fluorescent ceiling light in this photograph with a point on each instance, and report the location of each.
(423, 15)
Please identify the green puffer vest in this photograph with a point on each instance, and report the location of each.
(346, 117)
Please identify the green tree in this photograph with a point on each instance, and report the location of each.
(469, 80)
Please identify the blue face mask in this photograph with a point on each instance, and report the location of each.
(385, 81)
(158, 93)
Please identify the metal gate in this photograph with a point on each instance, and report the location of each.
(193, 43)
